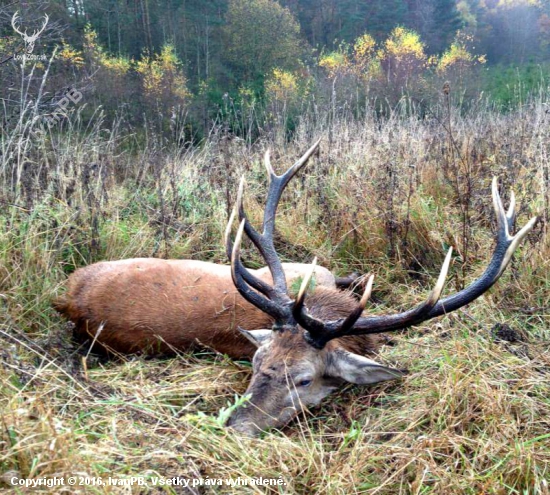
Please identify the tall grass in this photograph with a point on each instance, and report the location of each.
(384, 196)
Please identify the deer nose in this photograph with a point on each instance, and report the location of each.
(246, 428)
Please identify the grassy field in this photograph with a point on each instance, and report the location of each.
(386, 197)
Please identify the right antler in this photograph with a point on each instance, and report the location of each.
(319, 333)
(14, 26)
(277, 302)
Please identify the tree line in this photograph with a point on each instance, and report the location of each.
(265, 59)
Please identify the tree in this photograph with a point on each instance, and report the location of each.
(260, 36)
(327, 22)
(446, 22)
(403, 60)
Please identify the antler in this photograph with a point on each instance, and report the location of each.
(29, 40)
(13, 20)
(319, 333)
(39, 32)
(276, 302)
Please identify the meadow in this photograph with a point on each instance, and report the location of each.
(385, 196)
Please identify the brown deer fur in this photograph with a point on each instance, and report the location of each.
(155, 306)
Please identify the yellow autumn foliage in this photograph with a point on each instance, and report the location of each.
(335, 62)
(365, 62)
(282, 85)
(118, 66)
(71, 55)
(364, 49)
(458, 58)
(403, 44)
(458, 54)
(162, 73)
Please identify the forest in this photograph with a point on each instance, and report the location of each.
(131, 129)
(249, 63)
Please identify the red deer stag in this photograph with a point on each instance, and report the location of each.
(318, 341)
(156, 306)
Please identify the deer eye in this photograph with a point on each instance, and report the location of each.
(305, 383)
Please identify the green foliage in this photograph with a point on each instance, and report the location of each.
(508, 87)
(260, 36)
(225, 412)
(446, 21)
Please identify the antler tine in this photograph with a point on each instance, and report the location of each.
(267, 163)
(264, 241)
(291, 172)
(251, 232)
(367, 292)
(250, 279)
(319, 333)
(241, 277)
(299, 312)
(514, 243)
(15, 28)
(438, 288)
(227, 234)
(511, 213)
(356, 314)
(299, 302)
(502, 218)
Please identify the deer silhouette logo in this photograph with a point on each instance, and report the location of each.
(30, 40)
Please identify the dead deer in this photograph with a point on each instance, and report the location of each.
(302, 349)
(159, 306)
(321, 340)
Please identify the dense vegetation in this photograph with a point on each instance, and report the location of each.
(385, 196)
(180, 66)
(178, 100)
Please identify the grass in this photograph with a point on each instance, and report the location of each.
(385, 197)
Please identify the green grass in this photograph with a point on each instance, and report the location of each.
(472, 416)
(510, 87)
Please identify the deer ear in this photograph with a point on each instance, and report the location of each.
(360, 370)
(257, 337)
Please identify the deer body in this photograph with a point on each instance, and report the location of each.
(156, 306)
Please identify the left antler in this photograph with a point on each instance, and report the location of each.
(15, 28)
(276, 302)
(319, 333)
(36, 34)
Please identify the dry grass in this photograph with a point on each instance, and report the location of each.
(387, 197)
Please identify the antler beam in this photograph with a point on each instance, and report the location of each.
(319, 333)
(276, 302)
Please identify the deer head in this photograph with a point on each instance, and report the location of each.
(30, 40)
(305, 355)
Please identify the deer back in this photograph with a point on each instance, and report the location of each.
(157, 306)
